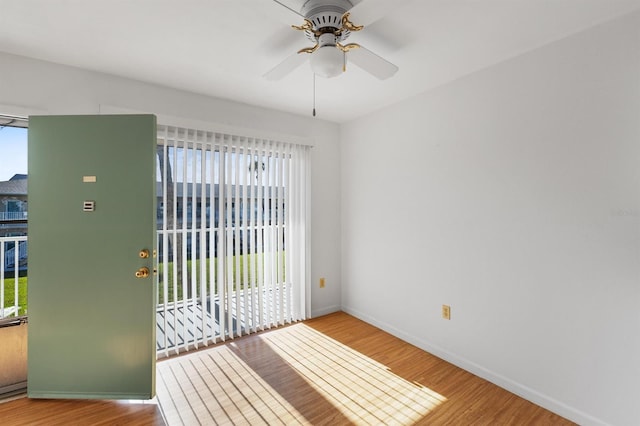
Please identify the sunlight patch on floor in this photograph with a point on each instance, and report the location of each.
(293, 375)
(216, 386)
(361, 388)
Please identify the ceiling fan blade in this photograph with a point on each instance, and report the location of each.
(285, 67)
(272, 11)
(372, 63)
(291, 7)
(366, 12)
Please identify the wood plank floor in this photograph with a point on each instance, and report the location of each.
(48, 412)
(470, 400)
(333, 370)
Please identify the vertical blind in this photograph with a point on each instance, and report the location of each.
(232, 236)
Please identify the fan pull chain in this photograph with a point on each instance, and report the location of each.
(314, 94)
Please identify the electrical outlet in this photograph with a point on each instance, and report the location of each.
(446, 312)
(321, 282)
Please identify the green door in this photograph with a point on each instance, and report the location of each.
(91, 219)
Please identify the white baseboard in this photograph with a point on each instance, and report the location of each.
(519, 389)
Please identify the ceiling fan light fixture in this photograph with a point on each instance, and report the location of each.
(327, 61)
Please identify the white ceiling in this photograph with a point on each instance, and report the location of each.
(222, 48)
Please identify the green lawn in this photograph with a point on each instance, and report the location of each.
(238, 279)
(9, 293)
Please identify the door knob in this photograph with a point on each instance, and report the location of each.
(142, 272)
(144, 253)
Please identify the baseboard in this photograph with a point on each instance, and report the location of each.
(519, 389)
(325, 311)
(13, 390)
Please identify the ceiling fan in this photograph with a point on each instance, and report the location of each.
(327, 24)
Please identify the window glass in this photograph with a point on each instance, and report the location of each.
(13, 218)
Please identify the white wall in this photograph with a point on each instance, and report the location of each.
(56, 89)
(514, 196)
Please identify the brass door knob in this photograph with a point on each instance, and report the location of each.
(142, 272)
(144, 253)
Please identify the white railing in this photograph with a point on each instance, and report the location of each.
(10, 257)
(13, 215)
(11, 260)
(205, 295)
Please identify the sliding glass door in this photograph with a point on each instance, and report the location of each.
(232, 233)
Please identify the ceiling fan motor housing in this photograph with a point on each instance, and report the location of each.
(326, 17)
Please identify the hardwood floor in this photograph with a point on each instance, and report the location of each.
(333, 370)
(50, 412)
(470, 400)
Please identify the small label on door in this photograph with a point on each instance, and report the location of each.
(88, 206)
(88, 179)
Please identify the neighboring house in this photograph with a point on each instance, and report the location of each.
(13, 206)
(185, 194)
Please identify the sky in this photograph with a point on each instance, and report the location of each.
(13, 152)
